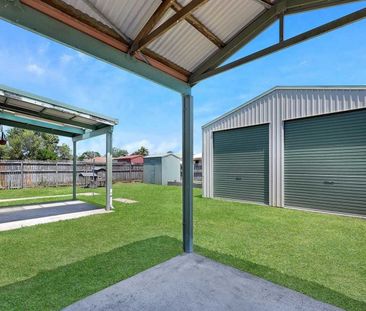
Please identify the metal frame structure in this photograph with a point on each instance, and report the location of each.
(28, 111)
(60, 21)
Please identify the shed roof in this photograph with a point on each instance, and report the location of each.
(129, 157)
(278, 88)
(179, 39)
(40, 113)
(163, 155)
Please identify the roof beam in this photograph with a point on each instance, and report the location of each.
(171, 22)
(154, 19)
(14, 120)
(347, 19)
(91, 134)
(199, 26)
(262, 22)
(244, 36)
(298, 6)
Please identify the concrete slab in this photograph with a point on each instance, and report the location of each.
(195, 283)
(126, 201)
(46, 213)
(87, 194)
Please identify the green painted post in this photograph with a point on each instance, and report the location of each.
(74, 158)
(187, 122)
(109, 172)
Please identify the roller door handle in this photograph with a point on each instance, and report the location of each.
(329, 182)
(237, 178)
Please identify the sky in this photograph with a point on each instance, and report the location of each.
(149, 114)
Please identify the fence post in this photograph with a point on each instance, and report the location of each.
(21, 174)
(56, 174)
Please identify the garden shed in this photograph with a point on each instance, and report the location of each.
(160, 169)
(302, 147)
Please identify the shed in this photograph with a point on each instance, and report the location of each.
(160, 169)
(302, 147)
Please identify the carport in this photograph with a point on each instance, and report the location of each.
(28, 111)
(175, 44)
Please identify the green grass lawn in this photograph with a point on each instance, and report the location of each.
(49, 266)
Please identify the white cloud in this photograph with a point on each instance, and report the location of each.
(66, 58)
(36, 69)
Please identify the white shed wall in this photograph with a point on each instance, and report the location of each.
(275, 107)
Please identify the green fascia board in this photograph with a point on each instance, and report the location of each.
(37, 125)
(55, 103)
(28, 18)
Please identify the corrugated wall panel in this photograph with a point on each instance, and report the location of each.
(274, 107)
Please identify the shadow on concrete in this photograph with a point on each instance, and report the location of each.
(58, 288)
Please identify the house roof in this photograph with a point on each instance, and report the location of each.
(129, 157)
(278, 88)
(96, 160)
(181, 39)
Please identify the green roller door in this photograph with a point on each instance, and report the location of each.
(325, 162)
(240, 163)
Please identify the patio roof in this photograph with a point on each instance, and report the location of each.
(26, 110)
(176, 43)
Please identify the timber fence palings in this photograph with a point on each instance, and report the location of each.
(28, 174)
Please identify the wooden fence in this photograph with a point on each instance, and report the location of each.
(27, 174)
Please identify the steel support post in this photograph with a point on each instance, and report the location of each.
(109, 138)
(187, 173)
(74, 159)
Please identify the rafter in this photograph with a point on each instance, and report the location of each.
(168, 24)
(191, 19)
(154, 19)
(262, 22)
(347, 19)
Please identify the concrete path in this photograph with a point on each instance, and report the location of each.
(192, 282)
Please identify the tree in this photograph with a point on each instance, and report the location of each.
(142, 151)
(4, 152)
(116, 152)
(89, 155)
(64, 152)
(30, 145)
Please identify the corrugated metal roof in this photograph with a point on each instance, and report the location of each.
(255, 99)
(182, 44)
(41, 108)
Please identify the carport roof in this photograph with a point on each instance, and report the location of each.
(26, 110)
(173, 42)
